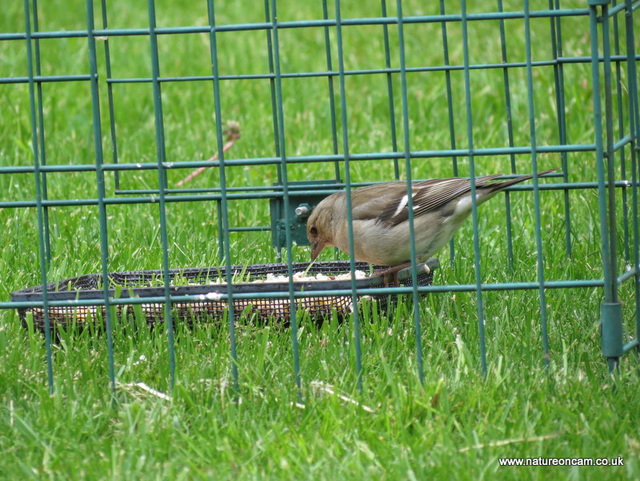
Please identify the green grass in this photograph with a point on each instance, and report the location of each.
(458, 423)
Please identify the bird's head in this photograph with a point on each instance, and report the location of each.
(319, 227)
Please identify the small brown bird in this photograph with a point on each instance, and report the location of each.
(381, 218)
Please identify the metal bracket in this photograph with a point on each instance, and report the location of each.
(302, 199)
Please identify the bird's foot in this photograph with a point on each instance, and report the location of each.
(391, 273)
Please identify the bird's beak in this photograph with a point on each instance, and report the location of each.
(316, 248)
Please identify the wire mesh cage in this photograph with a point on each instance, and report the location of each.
(111, 116)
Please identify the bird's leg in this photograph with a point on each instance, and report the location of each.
(392, 273)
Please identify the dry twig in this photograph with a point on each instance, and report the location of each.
(232, 134)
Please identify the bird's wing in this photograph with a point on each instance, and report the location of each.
(428, 196)
(370, 202)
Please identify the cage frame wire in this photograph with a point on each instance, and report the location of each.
(602, 15)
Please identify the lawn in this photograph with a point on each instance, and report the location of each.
(459, 422)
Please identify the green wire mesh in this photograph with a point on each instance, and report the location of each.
(611, 56)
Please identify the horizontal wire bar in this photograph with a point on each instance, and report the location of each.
(153, 195)
(627, 347)
(614, 10)
(29, 169)
(46, 78)
(328, 73)
(490, 151)
(381, 71)
(623, 142)
(328, 190)
(51, 34)
(152, 199)
(506, 286)
(250, 229)
(100, 33)
(632, 272)
(621, 6)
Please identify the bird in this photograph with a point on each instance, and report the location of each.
(381, 231)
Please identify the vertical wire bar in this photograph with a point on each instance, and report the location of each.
(222, 232)
(597, 114)
(623, 162)
(558, 73)
(407, 157)
(332, 102)
(162, 183)
(634, 129)
(285, 191)
(452, 128)
(223, 205)
(613, 325)
(610, 228)
(392, 107)
(112, 115)
(43, 152)
(611, 176)
(272, 86)
(38, 188)
(536, 190)
(474, 202)
(512, 157)
(102, 209)
(347, 179)
(274, 112)
(610, 322)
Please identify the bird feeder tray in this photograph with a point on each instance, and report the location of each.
(260, 294)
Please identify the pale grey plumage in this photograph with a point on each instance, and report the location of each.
(380, 217)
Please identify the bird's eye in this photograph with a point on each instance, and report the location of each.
(313, 231)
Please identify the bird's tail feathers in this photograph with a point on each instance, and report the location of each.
(494, 185)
